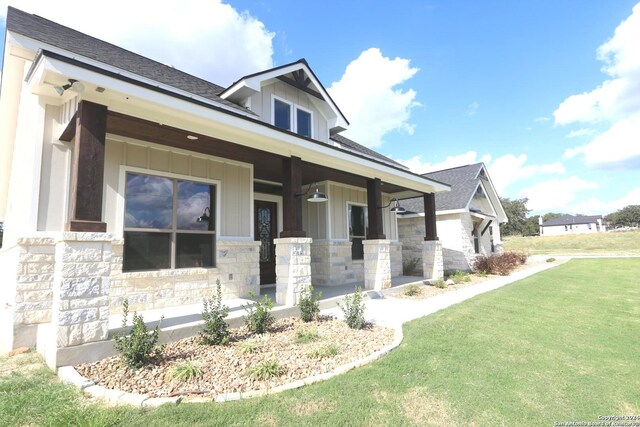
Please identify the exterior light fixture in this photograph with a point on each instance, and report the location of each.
(205, 217)
(73, 84)
(316, 197)
(396, 207)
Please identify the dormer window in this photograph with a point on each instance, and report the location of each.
(284, 117)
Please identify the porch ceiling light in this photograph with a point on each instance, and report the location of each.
(396, 207)
(73, 84)
(205, 217)
(316, 197)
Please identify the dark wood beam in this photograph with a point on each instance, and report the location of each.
(300, 86)
(291, 198)
(485, 229)
(69, 132)
(374, 209)
(88, 168)
(430, 216)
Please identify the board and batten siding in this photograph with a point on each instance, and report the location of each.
(314, 215)
(340, 196)
(235, 189)
(262, 103)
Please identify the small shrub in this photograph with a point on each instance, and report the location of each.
(353, 310)
(265, 370)
(322, 352)
(215, 330)
(441, 284)
(460, 277)
(304, 336)
(413, 290)
(140, 346)
(259, 317)
(185, 371)
(249, 347)
(410, 266)
(309, 305)
(501, 264)
(551, 259)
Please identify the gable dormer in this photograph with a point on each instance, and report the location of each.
(292, 98)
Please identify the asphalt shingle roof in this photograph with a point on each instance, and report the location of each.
(463, 180)
(572, 220)
(54, 34)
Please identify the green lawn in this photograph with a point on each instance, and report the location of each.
(561, 345)
(610, 243)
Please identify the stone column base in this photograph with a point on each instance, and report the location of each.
(377, 264)
(432, 263)
(293, 269)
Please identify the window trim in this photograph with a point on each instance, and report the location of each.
(121, 205)
(293, 116)
(295, 122)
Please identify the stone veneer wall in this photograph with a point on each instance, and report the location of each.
(411, 232)
(237, 268)
(395, 254)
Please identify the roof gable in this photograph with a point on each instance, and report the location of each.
(297, 74)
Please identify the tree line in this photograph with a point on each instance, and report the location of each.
(521, 224)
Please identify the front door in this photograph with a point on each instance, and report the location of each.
(265, 231)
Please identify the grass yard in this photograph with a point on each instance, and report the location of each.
(558, 346)
(610, 243)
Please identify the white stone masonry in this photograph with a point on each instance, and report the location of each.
(293, 269)
(377, 264)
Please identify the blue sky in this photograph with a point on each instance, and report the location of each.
(545, 92)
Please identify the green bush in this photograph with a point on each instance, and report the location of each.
(551, 259)
(322, 352)
(215, 330)
(413, 290)
(249, 347)
(306, 335)
(266, 370)
(410, 266)
(259, 317)
(441, 284)
(186, 370)
(309, 305)
(140, 346)
(353, 310)
(501, 264)
(460, 277)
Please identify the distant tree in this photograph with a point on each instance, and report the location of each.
(531, 226)
(517, 212)
(551, 215)
(629, 216)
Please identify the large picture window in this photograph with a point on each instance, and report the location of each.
(169, 223)
(358, 225)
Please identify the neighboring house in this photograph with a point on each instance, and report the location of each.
(121, 177)
(572, 224)
(468, 218)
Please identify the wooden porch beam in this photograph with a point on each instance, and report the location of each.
(69, 132)
(291, 198)
(429, 200)
(88, 168)
(485, 228)
(374, 210)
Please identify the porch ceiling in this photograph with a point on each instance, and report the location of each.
(267, 166)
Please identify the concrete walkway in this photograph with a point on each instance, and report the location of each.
(393, 312)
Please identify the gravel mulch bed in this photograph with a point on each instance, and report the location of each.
(225, 369)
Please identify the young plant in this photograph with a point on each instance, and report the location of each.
(140, 346)
(460, 277)
(410, 266)
(185, 371)
(265, 370)
(441, 284)
(322, 352)
(353, 310)
(305, 336)
(215, 330)
(413, 290)
(259, 317)
(249, 347)
(309, 305)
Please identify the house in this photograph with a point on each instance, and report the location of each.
(121, 177)
(468, 218)
(572, 224)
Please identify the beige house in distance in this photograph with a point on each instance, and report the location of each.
(121, 177)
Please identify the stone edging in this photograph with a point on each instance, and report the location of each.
(69, 375)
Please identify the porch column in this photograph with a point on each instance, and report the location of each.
(291, 198)
(377, 264)
(88, 168)
(432, 261)
(374, 201)
(293, 269)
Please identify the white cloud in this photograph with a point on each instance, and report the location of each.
(369, 96)
(508, 169)
(580, 132)
(570, 153)
(555, 194)
(208, 39)
(418, 166)
(615, 101)
(472, 109)
(595, 206)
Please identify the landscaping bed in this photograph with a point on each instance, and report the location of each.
(291, 351)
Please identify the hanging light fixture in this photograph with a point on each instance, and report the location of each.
(205, 217)
(397, 209)
(316, 197)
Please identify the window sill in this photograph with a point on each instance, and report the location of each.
(169, 273)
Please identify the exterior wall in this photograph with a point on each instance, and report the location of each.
(261, 104)
(395, 255)
(331, 264)
(315, 216)
(412, 232)
(559, 230)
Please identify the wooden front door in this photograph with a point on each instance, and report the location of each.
(266, 228)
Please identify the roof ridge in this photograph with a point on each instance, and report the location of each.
(454, 167)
